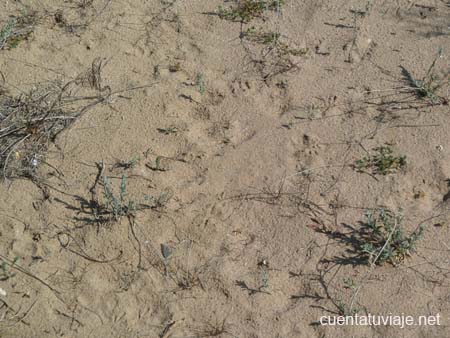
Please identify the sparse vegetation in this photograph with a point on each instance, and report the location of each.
(349, 283)
(185, 210)
(126, 164)
(168, 130)
(5, 269)
(83, 4)
(258, 36)
(382, 162)
(28, 123)
(17, 29)
(247, 10)
(274, 55)
(6, 33)
(430, 86)
(31, 120)
(273, 41)
(79, 15)
(213, 329)
(159, 201)
(118, 205)
(383, 240)
(263, 280)
(187, 279)
(157, 164)
(200, 83)
(264, 268)
(378, 239)
(344, 309)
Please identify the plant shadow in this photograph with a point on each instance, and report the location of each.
(354, 239)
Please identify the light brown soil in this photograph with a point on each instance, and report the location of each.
(258, 194)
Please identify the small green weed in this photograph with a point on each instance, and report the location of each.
(17, 29)
(168, 130)
(157, 165)
(6, 33)
(5, 269)
(383, 240)
(349, 283)
(200, 83)
(118, 206)
(275, 55)
(283, 50)
(383, 162)
(264, 269)
(429, 86)
(247, 10)
(159, 201)
(344, 309)
(266, 38)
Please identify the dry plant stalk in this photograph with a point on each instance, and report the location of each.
(30, 121)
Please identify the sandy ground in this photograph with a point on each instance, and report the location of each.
(242, 158)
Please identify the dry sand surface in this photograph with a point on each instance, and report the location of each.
(212, 168)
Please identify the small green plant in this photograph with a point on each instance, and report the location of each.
(247, 10)
(344, 309)
(168, 130)
(118, 205)
(200, 83)
(264, 269)
(6, 32)
(17, 29)
(276, 54)
(283, 51)
(383, 240)
(157, 165)
(5, 269)
(429, 86)
(126, 164)
(383, 162)
(216, 328)
(158, 201)
(349, 283)
(266, 38)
